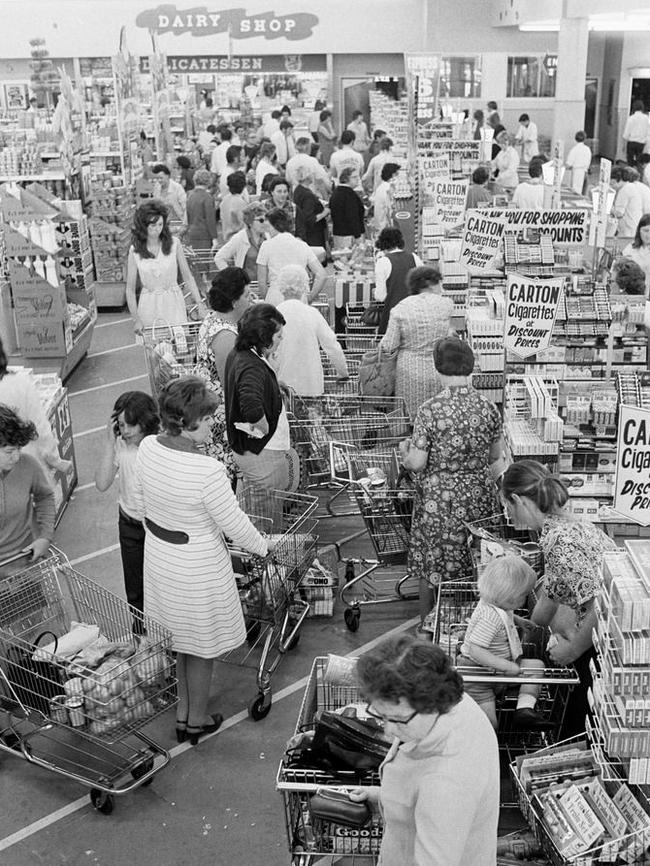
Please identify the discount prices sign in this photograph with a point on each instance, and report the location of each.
(632, 486)
(531, 308)
(449, 199)
(482, 240)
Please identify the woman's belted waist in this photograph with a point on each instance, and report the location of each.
(171, 536)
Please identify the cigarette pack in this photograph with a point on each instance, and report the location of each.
(581, 816)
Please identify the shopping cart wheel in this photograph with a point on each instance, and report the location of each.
(142, 770)
(352, 616)
(260, 707)
(102, 801)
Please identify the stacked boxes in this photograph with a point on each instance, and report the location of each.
(76, 258)
(110, 230)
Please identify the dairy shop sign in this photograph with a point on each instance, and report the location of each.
(199, 21)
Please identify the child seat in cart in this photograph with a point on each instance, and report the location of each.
(384, 499)
(269, 586)
(313, 840)
(77, 684)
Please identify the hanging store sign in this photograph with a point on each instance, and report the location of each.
(483, 240)
(531, 308)
(568, 228)
(449, 200)
(198, 21)
(464, 155)
(632, 485)
(432, 169)
(290, 63)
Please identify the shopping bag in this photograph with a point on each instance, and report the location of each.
(348, 742)
(377, 373)
(371, 316)
(34, 683)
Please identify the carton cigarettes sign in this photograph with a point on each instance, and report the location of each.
(632, 486)
(482, 240)
(531, 308)
(449, 198)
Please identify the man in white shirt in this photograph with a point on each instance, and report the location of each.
(382, 198)
(218, 161)
(272, 125)
(346, 157)
(281, 249)
(579, 160)
(627, 204)
(233, 163)
(529, 194)
(171, 193)
(285, 144)
(636, 132)
(358, 127)
(527, 137)
(303, 159)
(372, 177)
(644, 191)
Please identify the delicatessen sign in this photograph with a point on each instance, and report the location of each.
(632, 486)
(531, 308)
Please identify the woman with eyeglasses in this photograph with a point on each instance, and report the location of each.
(573, 551)
(157, 257)
(439, 793)
(242, 248)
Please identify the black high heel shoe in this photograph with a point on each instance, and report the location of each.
(194, 734)
(181, 732)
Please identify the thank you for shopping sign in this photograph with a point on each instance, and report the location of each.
(449, 199)
(632, 486)
(482, 240)
(531, 308)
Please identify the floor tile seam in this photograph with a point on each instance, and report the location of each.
(106, 385)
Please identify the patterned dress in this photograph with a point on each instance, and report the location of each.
(456, 427)
(414, 327)
(206, 367)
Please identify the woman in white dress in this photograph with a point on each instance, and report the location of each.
(157, 257)
(189, 586)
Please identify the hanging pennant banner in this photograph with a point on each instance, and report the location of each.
(449, 199)
(483, 240)
(632, 485)
(531, 308)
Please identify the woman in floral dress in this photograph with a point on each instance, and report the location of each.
(455, 453)
(229, 297)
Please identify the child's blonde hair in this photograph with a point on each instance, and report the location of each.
(503, 580)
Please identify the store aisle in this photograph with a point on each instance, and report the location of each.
(216, 803)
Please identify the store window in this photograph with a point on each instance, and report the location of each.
(532, 76)
(460, 77)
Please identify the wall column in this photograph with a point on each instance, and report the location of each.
(569, 109)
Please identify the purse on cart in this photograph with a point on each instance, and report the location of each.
(371, 316)
(377, 373)
(34, 683)
(337, 808)
(349, 743)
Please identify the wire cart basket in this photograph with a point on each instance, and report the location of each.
(454, 606)
(310, 839)
(81, 717)
(269, 586)
(170, 352)
(385, 503)
(495, 536)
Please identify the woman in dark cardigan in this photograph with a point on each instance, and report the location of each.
(311, 220)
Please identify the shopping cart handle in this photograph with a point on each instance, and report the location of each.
(20, 555)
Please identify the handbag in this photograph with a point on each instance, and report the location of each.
(34, 683)
(349, 743)
(377, 373)
(371, 316)
(337, 808)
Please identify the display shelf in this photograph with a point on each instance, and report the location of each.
(31, 178)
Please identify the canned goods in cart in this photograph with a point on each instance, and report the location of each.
(75, 708)
(58, 710)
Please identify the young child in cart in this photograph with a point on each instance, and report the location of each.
(134, 416)
(492, 641)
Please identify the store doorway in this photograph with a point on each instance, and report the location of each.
(354, 96)
(640, 90)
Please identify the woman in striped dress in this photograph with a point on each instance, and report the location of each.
(189, 586)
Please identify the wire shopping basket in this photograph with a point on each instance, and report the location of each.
(170, 352)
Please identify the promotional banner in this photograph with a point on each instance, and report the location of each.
(449, 199)
(531, 308)
(568, 227)
(632, 486)
(482, 240)
(464, 155)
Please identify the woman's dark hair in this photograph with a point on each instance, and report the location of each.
(183, 162)
(139, 408)
(149, 212)
(236, 182)
(453, 357)
(480, 175)
(389, 169)
(523, 118)
(644, 221)
(227, 287)
(161, 168)
(14, 432)
(643, 159)
(3, 361)
(267, 151)
(405, 667)
(535, 168)
(278, 180)
(533, 480)
(390, 239)
(638, 105)
(478, 115)
(285, 110)
(319, 105)
(183, 402)
(346, 173)
(378, 134)
(325, 114)
(422, 277)
(279, 220)
(267, 180)
(629, 277)
(385, 143)
(257, 327)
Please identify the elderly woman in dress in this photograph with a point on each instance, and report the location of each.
(298, 359)
(414, 327)
(189, 585)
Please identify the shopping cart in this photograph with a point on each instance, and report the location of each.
(170, 352)
(496, 536)
(269, 586)
(455, 604)
(385, 507)
(312, 840)
(81, 718)
(202, 265)
(354, 345)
